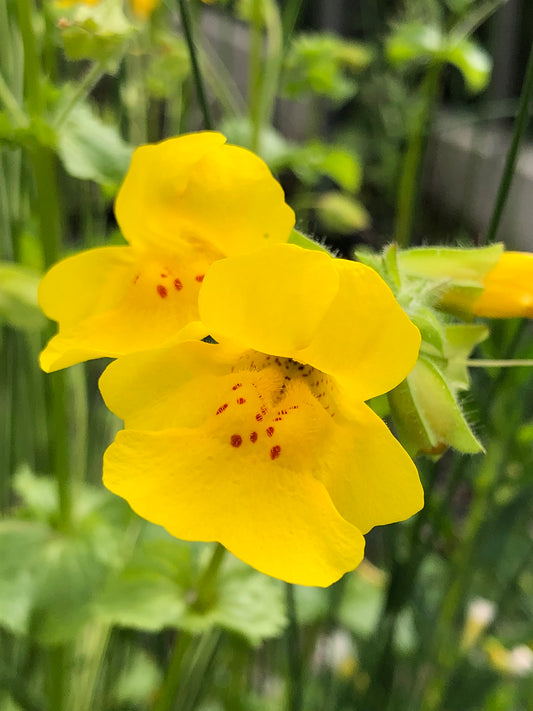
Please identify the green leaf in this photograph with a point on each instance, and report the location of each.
(157, 590)
(18, 297)
(21, 545)
(317, 159)
(91, 150)
(341, 214)
(413, 42)
(48, 579)
(322, 64)
(138, 681)
(306, 242)
(474, 63)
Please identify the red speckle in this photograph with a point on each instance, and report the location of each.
(163, 276)
(278, 419)
(236, 440)
(275, 452)
(263, 410)
(222, 408)
(178, 285)
(136, 278)
(259, 417)
(237, 386)
(161, 290)
(253, 437)
(200, 277)
(270, 431)
(240, 401)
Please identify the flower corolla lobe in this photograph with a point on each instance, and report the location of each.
(263, 441)
(185, 202)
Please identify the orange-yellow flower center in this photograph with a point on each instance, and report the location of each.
(269, 402)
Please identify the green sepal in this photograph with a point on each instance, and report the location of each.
(431, 330)
(426, 414)
(390, 263)
(302, 240)
(460, 340)
(450, 263)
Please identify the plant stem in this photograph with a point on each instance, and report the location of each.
(197, 75)
(483, 363)
(411, 172)
(205, 592)
(83, 88)
(290, 15)
(256, 74)
(512, 155)
(295, 680)
(11, 105)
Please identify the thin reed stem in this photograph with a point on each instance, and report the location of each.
(195, 66)
(295, 677)
(512, 155)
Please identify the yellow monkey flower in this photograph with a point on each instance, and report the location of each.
(263, 441)
(185, 202)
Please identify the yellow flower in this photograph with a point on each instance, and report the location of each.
(263, 441)
(508, 288)
(184, 203)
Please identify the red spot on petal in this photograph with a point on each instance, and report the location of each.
(161, 290)
(253, 437)
(163, 276)
(270, 431)
(136, 278)
(237, 386)
(222, 408)
(178, 285)
(275, 452)
(240, 401)
(259, 417)
(236, 440)
(200, 277)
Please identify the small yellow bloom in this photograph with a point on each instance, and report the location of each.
(508, 288)
(263, 441)
(184, 203)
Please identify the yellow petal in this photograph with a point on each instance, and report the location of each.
(275, 412)
(176, 386)
(197, 189)
(114, 300)
(381, 485)
(200, 487)
(366, 340)
(508, 291)
(272, 301)
(336, 315)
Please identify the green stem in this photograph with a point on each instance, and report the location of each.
(197, 75)
(82, 89)
(256, 74)
(265, 67)
(484, 363)
(290, 16)
(512, 155)
(16, 114)
(410, 178)
(32, 64)
(295, 680)
(205, 592)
